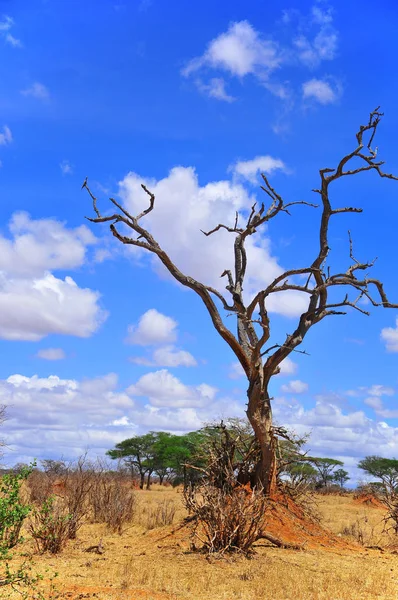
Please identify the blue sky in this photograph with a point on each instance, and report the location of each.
(192, 101)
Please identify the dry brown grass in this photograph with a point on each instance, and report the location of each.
(143, 563)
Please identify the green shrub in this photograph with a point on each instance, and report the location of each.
(13, 511)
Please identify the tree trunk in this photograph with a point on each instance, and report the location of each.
(148, 481)
(161, 478)
(142, 480)
(259, 414)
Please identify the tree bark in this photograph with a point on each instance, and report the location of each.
(142, 480)
(148, 481)
(259, 413)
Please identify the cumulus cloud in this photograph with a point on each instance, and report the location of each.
(240, 50)
(389, 335)
(5, 136)
(249, 169)
(51, 354)
(37, 90)
(348, 436)
(164, 389)
(157, 329)
(31, 309)
(53, 416)
(205, 258)
(153, 328)
(33, 302)
(36, 246)
(295, 387)
(166, 356)
(321, 91)
(243, 51)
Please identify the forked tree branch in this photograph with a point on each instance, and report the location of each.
(253, 321)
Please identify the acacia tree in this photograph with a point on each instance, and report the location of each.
(325, 468)
(386, 471)
(341, 477)
(137, 453)
(315, 281)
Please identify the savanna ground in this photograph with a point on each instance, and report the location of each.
(153, 563)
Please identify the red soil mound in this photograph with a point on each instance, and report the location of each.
(368, 500)
(288, 523)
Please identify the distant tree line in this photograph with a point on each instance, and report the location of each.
(180, 459)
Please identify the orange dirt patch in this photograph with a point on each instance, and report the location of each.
(368, 500)
(287, 521)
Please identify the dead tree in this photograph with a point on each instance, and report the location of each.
(260, 361)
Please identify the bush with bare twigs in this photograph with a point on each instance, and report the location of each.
(50, 526)
(76, 487)
(225, 514)
(112, 502)
(226, 521)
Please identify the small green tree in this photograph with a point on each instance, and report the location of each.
(341, 477)
(138, 454)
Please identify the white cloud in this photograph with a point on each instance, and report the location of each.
(33, 302)
(37, 90)
(215, 89)
(348, 436)
(5, 25)
(6, 136)
(287, 367)
(321, 91)
(164, 390)
(13, 41)
(295, 387)
(51, 354)
(374, 402)
(184, 208)
(66, 167)
(31, 309)
(40, 245)
(240, 50)
(166, 356)
(51, 417)
(379, 390)
(153, 328)
(54, 417)
(323, 47)
(157, 329)
(249, 169)
(389, 335)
